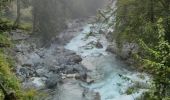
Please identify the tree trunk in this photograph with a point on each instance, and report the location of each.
(151, 11)
(17, 21)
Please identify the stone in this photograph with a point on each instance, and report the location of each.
(34, 82)
(101, 32)
(53, 80)
(41, 72)
(38, 82)
(97, 96)
(111, 49)
(99, 45)
(109, 36)
(81, 76)
(81, 29)
(89, 80)
(128, 49)
(24, 72)
(76, 59)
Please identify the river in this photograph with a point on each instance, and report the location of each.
(112, 77)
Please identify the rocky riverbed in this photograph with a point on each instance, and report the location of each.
(79, 64)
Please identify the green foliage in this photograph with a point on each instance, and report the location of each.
(147, 23)
(159, 63)
(5, 24)
(4, 40)
(3, 3)
(25, 26)
(7, 76)
(135, 19)
(131, 90)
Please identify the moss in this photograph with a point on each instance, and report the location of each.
(9, 24)
(8, 77)
(4, 40)
(25, 26)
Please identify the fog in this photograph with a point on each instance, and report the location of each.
(49, 16)
(83, 8)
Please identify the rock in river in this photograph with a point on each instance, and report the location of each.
(75, 58)
(53, 80)
(99, 45)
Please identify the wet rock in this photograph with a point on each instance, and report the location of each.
(41, 72)
(127, 50)
(79, 68)
(111, 49)
(99, 45)
(24, 72)
(89, 80)
(69, 52)
(91, 95)
(75, 59)
(81, 76)
(53, 80)
(81, 29)
(34, 82)
(63, 60)
(101, 32)
(97, 96)
(109, 36)
(54, 68)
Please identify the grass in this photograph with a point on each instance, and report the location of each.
(8, 77)
(27, 26)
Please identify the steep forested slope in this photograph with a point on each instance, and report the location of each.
(147, 24)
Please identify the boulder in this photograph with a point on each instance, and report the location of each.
(128, 49)
(101, 32)
(23, 72)
(97, 96)
(99, 45)
(53, 80)
(89, 80)
(109, 36)
(75, 59)
(34, 82)
(41, 72)
(111, 49)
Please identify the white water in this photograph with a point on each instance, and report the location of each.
(106, 70)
